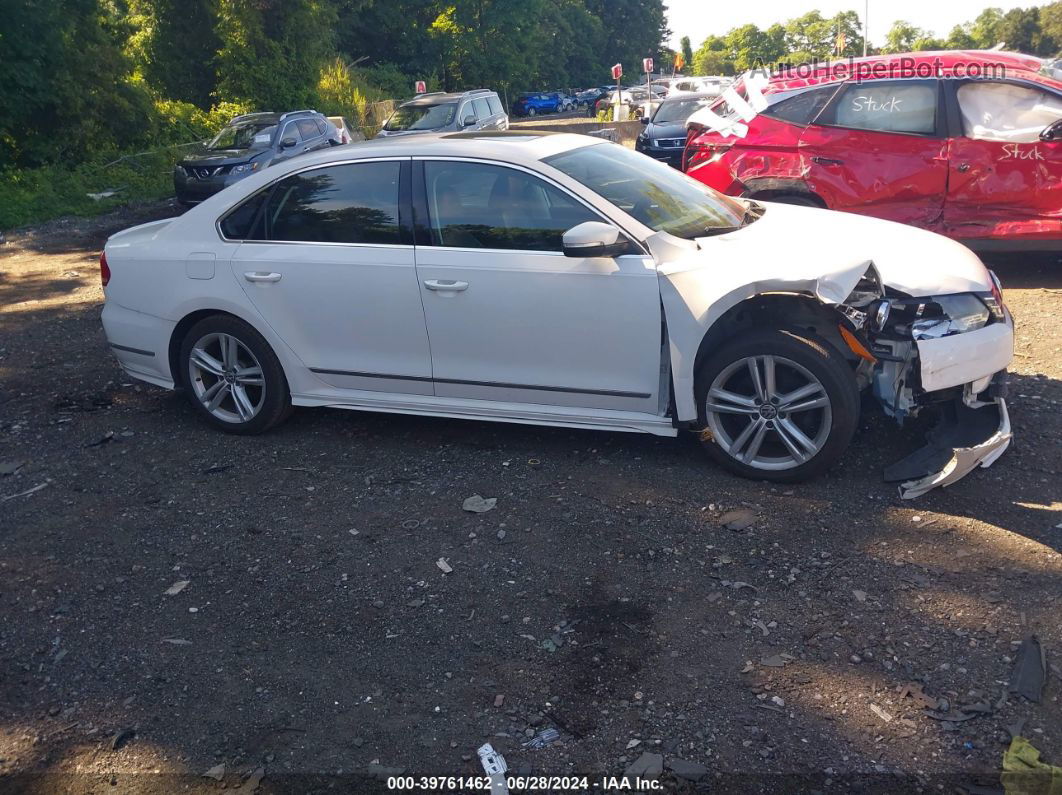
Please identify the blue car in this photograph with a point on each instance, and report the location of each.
(533, 104)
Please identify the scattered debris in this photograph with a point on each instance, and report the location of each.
(477, 504)
(690, 771)
(738, 520)
(543, 738)
(122, 737)
(103, 194)
(1024, 773)
(444, 567)
(885, 716)
(177, 641)
(217, 468)
(914, 690)
(1030, 670)
(176, 588)
(27, 492)
(648, 766)
(11, 467)
(495, 767)
(107, 437)
(252, 782)
(861, 596)
(217, 772)
(633, 744)
(499, 700)
(777, 660)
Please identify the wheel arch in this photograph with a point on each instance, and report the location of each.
(781, 310)
(774, 188)
(181, 330)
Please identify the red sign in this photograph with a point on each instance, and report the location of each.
(647, 65)
(420, 87)
(617, 71)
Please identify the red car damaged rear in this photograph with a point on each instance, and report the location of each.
(964, 143)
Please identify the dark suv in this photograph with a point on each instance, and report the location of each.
(248, 144)
(478, 109)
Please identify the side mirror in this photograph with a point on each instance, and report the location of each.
(644, 119)
(594, 239)
(1053, 131)
(468, 121)
(287, 143)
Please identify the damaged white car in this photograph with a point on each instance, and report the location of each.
(560, 280)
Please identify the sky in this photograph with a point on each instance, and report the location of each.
(701, 18)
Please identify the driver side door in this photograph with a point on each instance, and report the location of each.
(510, 318)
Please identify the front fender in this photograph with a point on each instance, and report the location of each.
(695, 295)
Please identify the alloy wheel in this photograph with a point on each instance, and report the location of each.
(226, 378)
(768, 412)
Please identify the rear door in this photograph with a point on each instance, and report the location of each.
(880, 148)
(1004, 182)
(329, 263)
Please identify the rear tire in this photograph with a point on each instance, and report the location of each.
(232, 377)
(790, 420)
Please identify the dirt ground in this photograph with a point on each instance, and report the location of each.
(317, 636)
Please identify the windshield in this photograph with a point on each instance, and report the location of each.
(660, 197)
(673, 112)
(244, 136)
(422, 117)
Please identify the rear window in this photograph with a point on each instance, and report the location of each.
(802, 108)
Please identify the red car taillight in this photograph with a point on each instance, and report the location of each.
(105, 270)
(698, 153)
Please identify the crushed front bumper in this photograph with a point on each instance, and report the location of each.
(966, 437)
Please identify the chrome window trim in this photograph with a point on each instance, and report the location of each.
(269, 186)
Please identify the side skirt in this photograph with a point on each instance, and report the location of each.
(490, 411)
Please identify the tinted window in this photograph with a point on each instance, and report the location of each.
(243, 136)
(308, 128)
(355, 203)
(494, 103)
(237, 224)
(482, 108)
(676, 110)
(473, 205)
(888, 107)
(1006, 112)
(802, 108)
(422, 117)
(291, 131)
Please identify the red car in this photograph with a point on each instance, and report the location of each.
(964, 143)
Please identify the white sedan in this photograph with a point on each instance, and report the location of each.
(565, 281)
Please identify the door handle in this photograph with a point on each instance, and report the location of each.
(827, 161)
(445, 285)
(258, 276)
(964, 166)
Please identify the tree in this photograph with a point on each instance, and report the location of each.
(902, 37)
(985, 29)
(273, 51)
(751, 48)
(960, 38)
(712, 58)
(1020, 29)
(1051, 26)
(174, 47)
(812, 35)
(687, 51)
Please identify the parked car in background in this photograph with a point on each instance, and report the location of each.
(535, 104)
(664, 136)
(978, 159)
(564, 281)
(248, 144)
(478, 109)
(348, 133)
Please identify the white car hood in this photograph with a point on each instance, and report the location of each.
(791, 242)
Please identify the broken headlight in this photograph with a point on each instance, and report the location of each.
(949, 314)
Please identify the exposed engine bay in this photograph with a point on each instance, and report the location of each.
(917, 354)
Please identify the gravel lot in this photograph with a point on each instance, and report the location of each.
(602, 596)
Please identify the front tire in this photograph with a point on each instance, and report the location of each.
(232, 377)
(777, 404)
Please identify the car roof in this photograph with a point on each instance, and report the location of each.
(511, 146)
(435, 97)
(943, 63)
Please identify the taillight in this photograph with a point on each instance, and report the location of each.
(697, 153)
(105, 270)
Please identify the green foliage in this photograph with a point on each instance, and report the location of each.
(174, 45)
(182, 122)
(339, 95)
